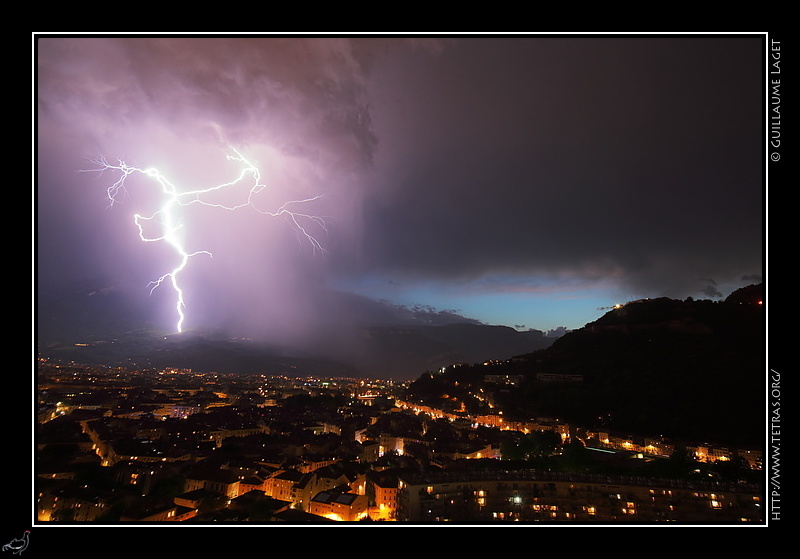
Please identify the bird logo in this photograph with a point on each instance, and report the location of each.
(18, 545)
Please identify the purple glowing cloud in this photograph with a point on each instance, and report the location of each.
(169, 222)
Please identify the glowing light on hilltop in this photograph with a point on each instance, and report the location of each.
(173, 199)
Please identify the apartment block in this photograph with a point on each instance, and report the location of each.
(528, 496)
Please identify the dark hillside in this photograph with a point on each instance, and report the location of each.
(683, 369)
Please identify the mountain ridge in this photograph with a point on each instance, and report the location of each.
(99, 326)
(688, 369)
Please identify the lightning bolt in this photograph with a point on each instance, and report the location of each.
(167, 216)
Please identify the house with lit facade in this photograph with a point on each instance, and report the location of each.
(339, 505)
(383, 489)
(281, 484)
(341, 476)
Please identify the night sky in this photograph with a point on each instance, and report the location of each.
(526, 181)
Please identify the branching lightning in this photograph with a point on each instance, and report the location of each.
(173, 199)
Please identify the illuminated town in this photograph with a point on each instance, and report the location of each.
(126, 446)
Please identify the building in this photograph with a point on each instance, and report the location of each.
(529, 496)
(152, 511)
(219, 435)
(258, 506)
(217, 480)
(177, 410)
(338, 505)
(341, 476)
(56, 501)
(369, 452)
(383, 489)
(281, 485)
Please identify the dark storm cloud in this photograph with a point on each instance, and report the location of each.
(635, 159)
(487, 160)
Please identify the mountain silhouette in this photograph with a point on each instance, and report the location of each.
(685, 369)
(360, 337)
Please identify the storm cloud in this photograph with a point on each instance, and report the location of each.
(482, 165)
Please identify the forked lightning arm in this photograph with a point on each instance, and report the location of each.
(173, 200)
